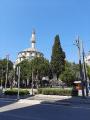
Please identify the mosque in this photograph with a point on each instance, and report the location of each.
(87, 59)
(29, 53)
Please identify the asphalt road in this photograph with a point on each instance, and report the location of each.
(11, 110)
(4, 102)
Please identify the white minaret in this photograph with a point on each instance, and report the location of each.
(33, 39)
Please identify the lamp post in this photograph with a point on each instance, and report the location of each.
(78, 44)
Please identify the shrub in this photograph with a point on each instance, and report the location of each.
(15, 92)
(55, 91)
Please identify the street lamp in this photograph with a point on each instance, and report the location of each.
(78, 44)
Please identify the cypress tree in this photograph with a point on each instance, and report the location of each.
(57, 58)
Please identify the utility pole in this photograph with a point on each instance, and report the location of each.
(7, 58)
(78, 44)
(84, 70)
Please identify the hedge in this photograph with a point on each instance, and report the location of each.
(57, 91)
(15, 92)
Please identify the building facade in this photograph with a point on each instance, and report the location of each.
(87, 59)
(29, 53)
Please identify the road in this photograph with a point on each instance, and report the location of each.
(12, 110)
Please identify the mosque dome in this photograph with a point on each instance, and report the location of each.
(29, 53)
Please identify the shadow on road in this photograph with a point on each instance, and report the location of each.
(72, 100)
(44, 111)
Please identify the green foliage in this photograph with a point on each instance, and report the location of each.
(70, 74)
(88, 71)
(25, 69)
(67, 77)
(4, 64)
(11, 76)
(15, 92)
(40, 66)
(3, 68)
(55, 91)
(58, 57)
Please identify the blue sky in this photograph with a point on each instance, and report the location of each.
(68, 18)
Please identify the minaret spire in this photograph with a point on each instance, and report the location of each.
(33, 39)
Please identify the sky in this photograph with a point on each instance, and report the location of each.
(68, 18)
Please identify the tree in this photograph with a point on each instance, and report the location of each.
(40, 67)
(11, 76)
(70, 74)
(4, 64)
(57, 58)
(3, 69)
(1, 73)
(88, 71)
(25, 70)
